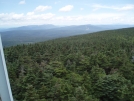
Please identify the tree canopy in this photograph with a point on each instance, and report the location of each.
(90, 67)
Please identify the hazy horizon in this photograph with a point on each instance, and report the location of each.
(66, 25)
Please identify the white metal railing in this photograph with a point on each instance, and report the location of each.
(5, 89)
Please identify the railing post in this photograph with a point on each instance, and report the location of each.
(5, 89)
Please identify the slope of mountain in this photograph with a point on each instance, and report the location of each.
(24, 36)
(4, 29)
(50, 26)
(33, 27)
(90, 67)
(34, 33)
(107, 27)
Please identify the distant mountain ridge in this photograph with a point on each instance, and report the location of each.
(50, 26)
(38, 33)
(33, 27)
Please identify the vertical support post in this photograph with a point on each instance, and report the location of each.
(5, 89)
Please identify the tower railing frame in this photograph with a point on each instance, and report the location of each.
(5, 89)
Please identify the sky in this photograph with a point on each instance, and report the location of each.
(65, 12)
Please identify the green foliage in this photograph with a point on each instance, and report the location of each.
(112, 88)
(31, 94)
(90, 67)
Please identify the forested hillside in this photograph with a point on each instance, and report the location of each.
(90, 67)
(39, 33)
(34, 33)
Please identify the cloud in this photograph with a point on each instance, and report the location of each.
(17, 16)
(81, 9)
(40, 18)
(30, 13)
(13, 17)
(57, 2)
(29, 18)
(123, 8)
(50, 18)
(42, 8)
(22, 2)
(98, 6)
(96, 18)
(66, 8)
(126, 7)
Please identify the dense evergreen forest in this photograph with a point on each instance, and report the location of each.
(90, 67)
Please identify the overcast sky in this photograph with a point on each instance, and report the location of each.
(65, 12)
